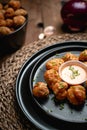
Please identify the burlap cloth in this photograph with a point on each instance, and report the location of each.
(11, 117)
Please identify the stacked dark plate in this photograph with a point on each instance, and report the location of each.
(46, 114)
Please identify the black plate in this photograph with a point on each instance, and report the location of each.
(70, 113)
(25, 99)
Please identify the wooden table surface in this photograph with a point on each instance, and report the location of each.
(42, 13)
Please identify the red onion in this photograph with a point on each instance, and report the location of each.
(74, 14)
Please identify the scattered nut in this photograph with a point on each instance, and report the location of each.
(49, 30)
(41, 36)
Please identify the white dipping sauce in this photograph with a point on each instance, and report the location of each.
(73, 74)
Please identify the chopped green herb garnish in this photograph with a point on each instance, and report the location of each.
(85, 119)
(52, 98)
(53, 63)
(61, 85)
(57, 54)
(74, 72)
(61, 106)
(33, 80)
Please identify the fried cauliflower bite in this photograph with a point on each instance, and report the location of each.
(19, 20)
(9, 22)
(2, 22)
(76, 94)
(54, 63)
(60, 90)
(83, 55)
(40, 90)
(3, 12)
(1, 15)
(9, 13)
(21, 11)
(5, 30)
(69, 56)
(15, 4)
(51, 77)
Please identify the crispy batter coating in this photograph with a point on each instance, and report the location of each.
(3, 12)
(2, 22)
(21, 11)
(76, 94)
(54, 63)
(1, 15)
(19, 20)
(51, 77)
(9, 13)
(9, 22)
(5, 30)
(41, 90)
(83, 55)
(69, 56)
(60, 90)
(15, 4)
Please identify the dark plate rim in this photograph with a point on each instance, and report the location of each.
(36, 56)
(31, 79)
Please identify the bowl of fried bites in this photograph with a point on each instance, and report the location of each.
(13, 24)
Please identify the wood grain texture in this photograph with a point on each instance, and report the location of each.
(46, 12)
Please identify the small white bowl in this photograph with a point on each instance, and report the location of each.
(73, 72)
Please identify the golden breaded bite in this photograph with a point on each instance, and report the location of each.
(54, 63)
(2, 22)
(19, 20)
(83, 55)
(60, 90)
(1, 15)
(69, 56)
(9, 22)
(40, 90)
(21, 11)
(15, 4)
(76, 94)
(5, 30)
(51, 77)
(3, 12)
(9, 13)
